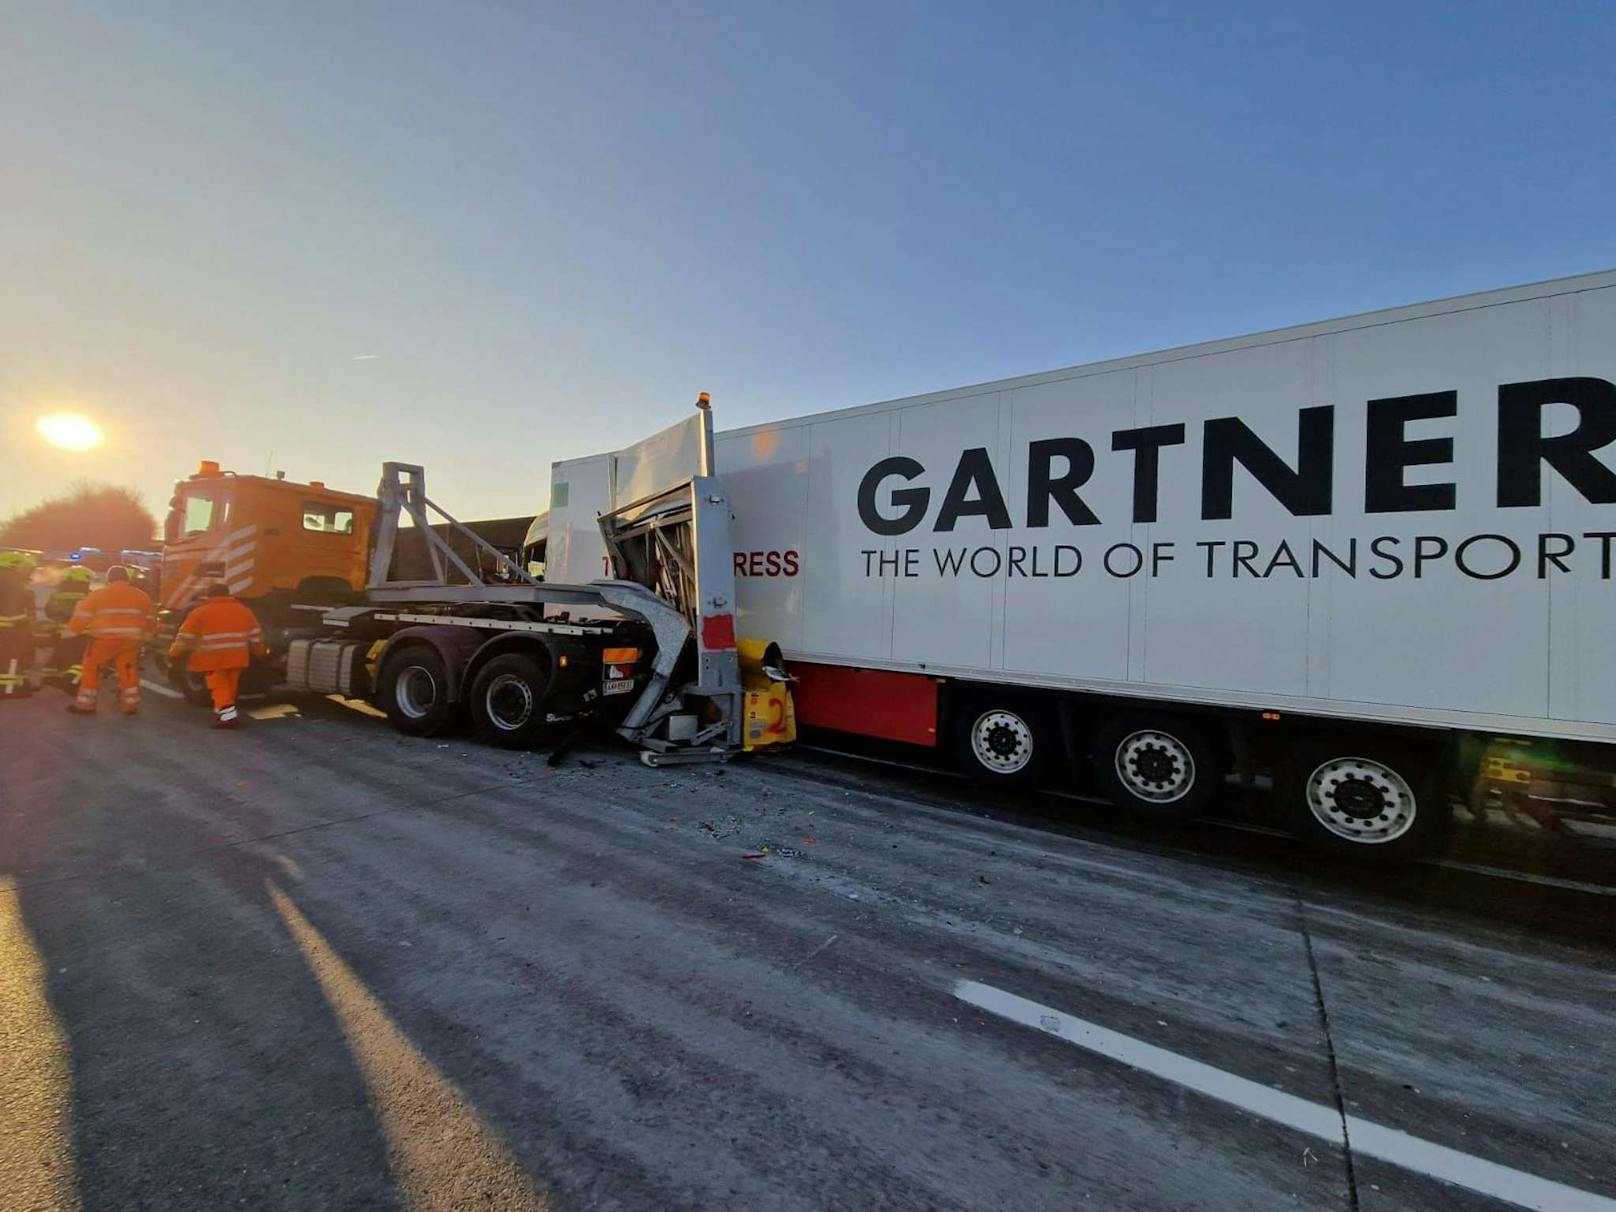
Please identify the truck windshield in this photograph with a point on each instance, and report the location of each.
(198, 513)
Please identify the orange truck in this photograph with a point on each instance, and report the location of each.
(280, 545)
(442, 623)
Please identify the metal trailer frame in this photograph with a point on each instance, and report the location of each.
(675, 552)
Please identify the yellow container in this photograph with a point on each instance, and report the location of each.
(770, 719)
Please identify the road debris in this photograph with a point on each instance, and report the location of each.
(359, 705)
(722, 827)
(275, 711)
(814, 952)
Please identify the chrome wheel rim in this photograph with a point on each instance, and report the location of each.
(1155, 766)
(509, 701)
(416, 692)
(1001, 741)
(1361, 800)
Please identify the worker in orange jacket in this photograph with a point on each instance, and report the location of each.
(221, 637)
(118, 618)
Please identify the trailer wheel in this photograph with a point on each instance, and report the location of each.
(414, 691)
(1156, 766)
(507, 701)
(1002, 742)
(1366, 798)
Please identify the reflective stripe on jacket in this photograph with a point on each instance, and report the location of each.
(222, 633)
(117, 611)
(16, 602)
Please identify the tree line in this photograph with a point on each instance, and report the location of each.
(86, 515)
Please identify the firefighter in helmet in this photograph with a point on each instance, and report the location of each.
(67, 649)
(16, 624)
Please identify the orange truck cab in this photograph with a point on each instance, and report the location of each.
(278, 544)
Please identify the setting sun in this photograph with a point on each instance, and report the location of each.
(69, 432)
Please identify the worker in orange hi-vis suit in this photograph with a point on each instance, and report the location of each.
(221, 636)
(118, 618)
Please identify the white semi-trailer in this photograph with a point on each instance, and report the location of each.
(1352, 553)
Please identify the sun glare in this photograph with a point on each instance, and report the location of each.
(69, 432)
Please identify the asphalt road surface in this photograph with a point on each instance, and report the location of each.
(317, 965)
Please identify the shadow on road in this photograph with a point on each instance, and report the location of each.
(178, 1032)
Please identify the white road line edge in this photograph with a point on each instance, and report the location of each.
(165, 691)
(1371, 1139)
(1525, 877)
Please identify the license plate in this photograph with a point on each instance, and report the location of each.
(617, 687)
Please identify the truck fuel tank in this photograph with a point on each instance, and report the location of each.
(328, 667)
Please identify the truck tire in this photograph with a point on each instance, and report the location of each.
(1366, 798)
(507, 701)
(1156, 766)
(414, 691)
(194, 686)
(1002, 742)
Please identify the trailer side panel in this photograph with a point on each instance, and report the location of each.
(1406, 516)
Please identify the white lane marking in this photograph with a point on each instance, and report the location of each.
(1525, 877)
(1388, 1144)
(165, 691)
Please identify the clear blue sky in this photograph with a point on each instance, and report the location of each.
(553, 225)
